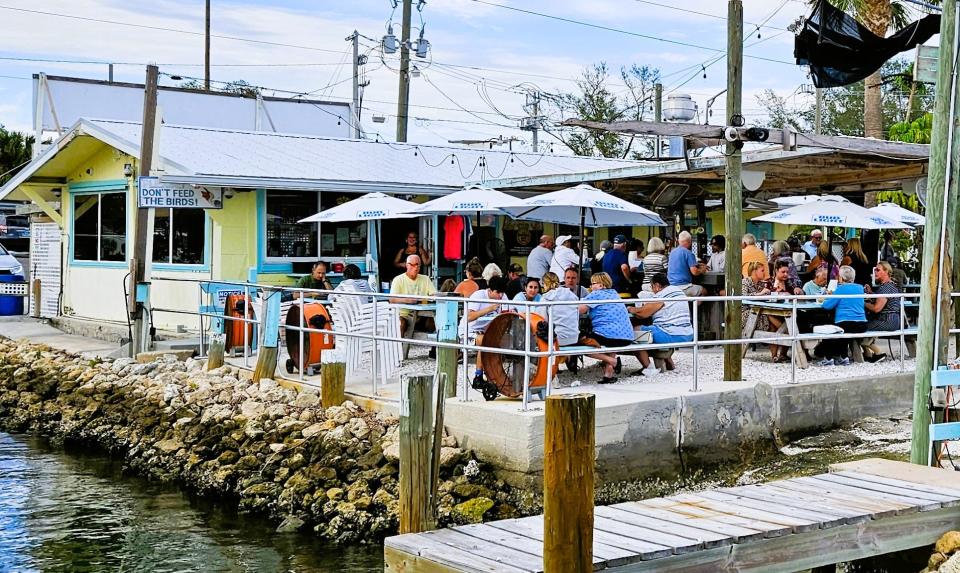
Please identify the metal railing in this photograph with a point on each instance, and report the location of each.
(793, 338)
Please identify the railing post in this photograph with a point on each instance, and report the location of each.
(215, 355)
(696, 347)
(267, 353)
(568, 484)
(526, 359)
(246, 325)
(466, 356)
(447, 332)
(795, 342)
(373, 346)
(550, 359)
(903, 311)
(301, 359)
(416, 445)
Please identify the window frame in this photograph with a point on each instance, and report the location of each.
(201, 266)
(77, 191)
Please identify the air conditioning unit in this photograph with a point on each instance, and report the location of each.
(668, 194)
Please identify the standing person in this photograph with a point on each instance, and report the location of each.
(682, 266)
(856, 258)
(850, 316)
(538, 261)
(406, 288)
(611, 324)
(718, 256)
(530, 293)
(515, 280)
(825, 259)
(882, 313)
(617, 265)
(751, 253)
(655, 262)
(317, 279)
(887, 251)
(671, 320)
(812, 246)
(412, 247)
(563, 256)
(571, 280)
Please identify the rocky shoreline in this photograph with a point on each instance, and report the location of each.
(273, 450)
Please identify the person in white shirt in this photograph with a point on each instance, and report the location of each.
(718, 256)
(480, 314)
(563, 256)
(530, 293)
(565, 317)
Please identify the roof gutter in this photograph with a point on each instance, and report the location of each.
(309, 184)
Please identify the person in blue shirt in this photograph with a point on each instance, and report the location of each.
(616, 263)
(683, 265)
(849, 315)
(611, 324)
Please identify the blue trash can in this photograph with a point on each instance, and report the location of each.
(11, 305)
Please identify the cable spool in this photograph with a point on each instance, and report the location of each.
(233, 329)
(315, 315)
(505, 372)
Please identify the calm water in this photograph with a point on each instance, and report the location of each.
(75, 511)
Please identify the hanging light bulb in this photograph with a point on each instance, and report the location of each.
(390, 43)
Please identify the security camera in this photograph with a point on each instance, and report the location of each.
(229, 193)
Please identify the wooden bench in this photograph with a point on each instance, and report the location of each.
(658, 355)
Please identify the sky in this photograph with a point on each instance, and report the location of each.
(484, 53)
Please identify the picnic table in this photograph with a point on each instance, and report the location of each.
(428, 309)
(784, 311)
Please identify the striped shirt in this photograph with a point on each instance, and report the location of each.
(674, 317)
(653, 263)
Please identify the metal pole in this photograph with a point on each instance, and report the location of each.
(818, 112)
(403, 100)
(550, 348)
(902, 342)
(302, 313)
(536, 124)
(526, 358)
(110, 72)
(696, 347)
(795, 343)
(657, 114)
(733, 199)
(206, 51)
(356, 83)
(466, 356)
(373, 356)
(246, 335)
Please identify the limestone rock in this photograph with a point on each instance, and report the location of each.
(450, 457)
(169, 446)
(392, 452)
(949, 543)
(290, 524)
(311, 431)
(471, 511)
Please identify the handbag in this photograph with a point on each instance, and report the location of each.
(586, 326)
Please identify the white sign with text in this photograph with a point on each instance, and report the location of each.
(152, 193)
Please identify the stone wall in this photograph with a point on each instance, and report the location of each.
(274, 450)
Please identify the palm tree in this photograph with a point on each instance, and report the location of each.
(877, 16)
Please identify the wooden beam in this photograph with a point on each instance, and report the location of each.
(733, 196)
(651, 128)
(47, 208)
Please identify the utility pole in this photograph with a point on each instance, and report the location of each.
(940, 243)
(403, 101)
(657, 113)
(733, 200)
(356, 83)
(206, 51)
(531, 123)
(110, 72)
(138, 264)
(818, 112)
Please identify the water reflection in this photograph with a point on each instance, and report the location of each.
(73, 511)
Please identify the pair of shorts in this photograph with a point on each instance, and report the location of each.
(662, 337)
(610, 342)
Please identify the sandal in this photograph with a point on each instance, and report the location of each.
(608, 380)
(619, 367)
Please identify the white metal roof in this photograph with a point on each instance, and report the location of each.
(257, 159)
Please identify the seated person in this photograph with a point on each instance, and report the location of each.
(530, 293)
(317, 279)
(571, 280)
(353, 283)
(490, 271)
(565, 317)
(682, 266)
(850, 316)
(479, 314)
(782, 282)
(756, 285)
(818, 284)
(671, 320)
(406, 289)
(882, 313)
(516, 280)
(472, 283)
(781, 253)
(611, 324)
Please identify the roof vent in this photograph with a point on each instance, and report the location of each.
(679, 107)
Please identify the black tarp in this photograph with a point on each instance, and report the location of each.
(841, 51)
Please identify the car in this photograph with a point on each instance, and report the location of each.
(9, 265)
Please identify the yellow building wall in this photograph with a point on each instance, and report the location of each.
(234, 239)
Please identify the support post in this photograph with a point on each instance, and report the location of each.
(818, 112)
(446, 321)
(270, 325)
(206, 50)
(403, 101)
(568, 455)
(35, 293)
(416, 445)
(333, 379)
(355, 110)
(216, 351)
(657, 114)
(939, 244)
(733, 200)
(141, 240)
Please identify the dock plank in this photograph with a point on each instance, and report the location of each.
(738, 533)
(848, 513)
(876, 508)
(912, 503)
(924, 503)
(796, 524)
(818, 518)
(689, 509)
(450, 557)
(919, 487)
(676, 544)
(487, 549)
(707, 538)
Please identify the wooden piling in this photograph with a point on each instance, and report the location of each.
(447, 358)
(35, 293)
(733, 195)
(270, 326)
(333, 377)
(568, 460)
(416, 447)
(216, 351)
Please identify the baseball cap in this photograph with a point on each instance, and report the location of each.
(515, 268)
(563, 239)
(619, 240)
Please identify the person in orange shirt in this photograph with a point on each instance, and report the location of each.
(752, 254)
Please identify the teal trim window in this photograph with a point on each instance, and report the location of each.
(100, 227)
(286, 239)
(179, 236)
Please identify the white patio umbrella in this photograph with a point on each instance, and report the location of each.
(898, 213)
(585, 206)
(471, 199)
(801, 199)
(372, 207)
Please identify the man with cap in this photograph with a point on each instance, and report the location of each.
(563, 256)
(538, 261)
(515, 284)
(811, 246)
(617, 264)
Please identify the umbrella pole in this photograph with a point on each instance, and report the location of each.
(583, 216)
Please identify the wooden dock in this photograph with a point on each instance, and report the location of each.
(859, 509)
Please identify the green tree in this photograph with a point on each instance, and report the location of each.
(239, 87)
(16, 149)
(595, 100)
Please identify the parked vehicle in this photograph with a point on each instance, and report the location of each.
(9, 265)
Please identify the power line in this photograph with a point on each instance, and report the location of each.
(620, 31)
(697, 12)
(168, 64)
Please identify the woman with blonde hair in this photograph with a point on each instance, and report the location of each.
(655, 262)
(854, 257)
(610, 321)
(755, 285)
